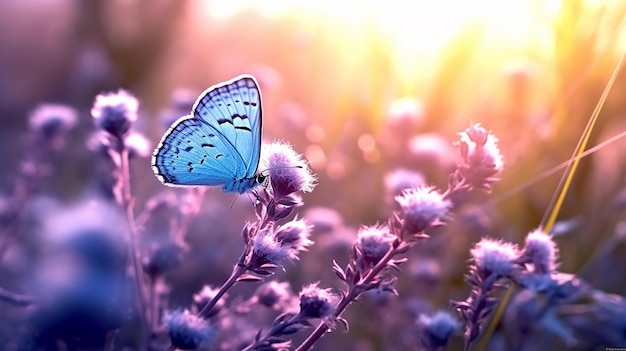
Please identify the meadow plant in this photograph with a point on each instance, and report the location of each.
(108, 264)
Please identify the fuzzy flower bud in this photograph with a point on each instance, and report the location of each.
(316, 302)
(482, 160)
(273, 294)
(436, 329)
(115, 112)
(495, 257)
(374, 242)
(422, 207)
(540, 250)
(295, 234)
(267, 249)
(187, 331)
(52, 121)
(288, 172)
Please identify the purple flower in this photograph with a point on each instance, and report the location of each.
(295, 234)
(115, 112)
(422, 207)
(482, 160)
(540, 250)
(436, 329)
(374, 242)
(495, 257)
(316, 302)
(273, 294)
(53, 120)
(288, 172)
(188, 331)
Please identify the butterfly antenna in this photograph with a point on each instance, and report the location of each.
(233, 203)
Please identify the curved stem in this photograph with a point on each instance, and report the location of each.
(16, 299)
(127, 203)
(238, 270)
(354, 291)
(275, 331)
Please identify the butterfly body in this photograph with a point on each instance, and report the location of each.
(219, 143)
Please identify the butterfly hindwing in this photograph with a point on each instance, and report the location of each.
(219, 144)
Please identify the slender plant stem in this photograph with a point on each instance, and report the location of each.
(354, 291)
(14, 298)
(238, 270)
(276, 330)
(127, 203)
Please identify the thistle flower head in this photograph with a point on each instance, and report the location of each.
(482, 160)
(495, 257)
(188, 331)
(436, 329)
(295, 234)
(115, 112)
(374, 242)
(316, 302)
(422, 207)
(273, 294)
(540, 250)
(53, 120)
(267, 249)
(288, 172)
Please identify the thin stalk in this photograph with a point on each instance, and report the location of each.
(238, 270)
(354, 292)
(127, 203)
(274, 331)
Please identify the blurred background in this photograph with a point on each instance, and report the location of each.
(372, 93)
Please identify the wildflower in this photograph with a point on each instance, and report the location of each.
(422, 207)
(495, 257)
(482, 160)
(164, 258)
(187, 331)
(540, 250)
(316, 302)
(115, 112)
(436, 329)
(204, 297)
(287, 171)
(295, 234)
(266, 249)
(273, 294)
(374, 242)
(324, 220)
(401, 179)
(52, 121)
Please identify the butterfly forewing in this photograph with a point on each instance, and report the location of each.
(219, 144)
(234, 111)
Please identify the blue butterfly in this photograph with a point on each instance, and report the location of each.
(219, 143)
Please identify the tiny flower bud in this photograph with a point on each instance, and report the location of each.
(436, 329)
(495, 257)
(187, 331)
(115, 112)
(540, 250)
(273, 294)
(482, 160)
(374, 242)
(316, 302)
(422, 207)
(295, 234)
(52, 121)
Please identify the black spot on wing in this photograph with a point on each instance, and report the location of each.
(243, 128)
(188, 148)
(224, 120)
